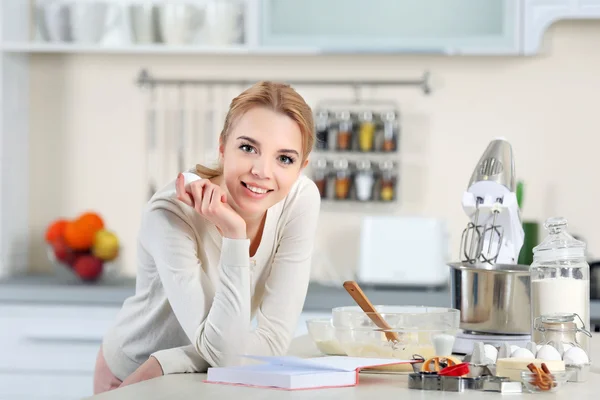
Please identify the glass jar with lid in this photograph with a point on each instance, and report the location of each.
(390, 131)
(387, 189)
(364, 180)
(320, 175)
(344, 134)
(342, 179)
(322, 123)
(366, 134)
(560, 278)
(560, 330)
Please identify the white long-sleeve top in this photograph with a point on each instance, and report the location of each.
(197, 292)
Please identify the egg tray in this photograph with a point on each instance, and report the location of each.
(433, 381)
(579, 373)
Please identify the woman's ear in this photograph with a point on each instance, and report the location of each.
(304, 164)
(221, 148)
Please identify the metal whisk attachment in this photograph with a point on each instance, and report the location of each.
(475, 237)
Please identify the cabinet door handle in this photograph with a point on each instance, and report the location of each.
(64, 339)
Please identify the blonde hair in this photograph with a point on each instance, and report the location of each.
(278, 97)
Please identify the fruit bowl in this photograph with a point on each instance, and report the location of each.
(83, 247)
(82, 265)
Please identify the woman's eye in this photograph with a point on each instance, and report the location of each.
(286, 159)
(247, 148)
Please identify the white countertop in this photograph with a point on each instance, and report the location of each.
(371, 386)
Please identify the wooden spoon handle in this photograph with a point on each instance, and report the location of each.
(359, 297)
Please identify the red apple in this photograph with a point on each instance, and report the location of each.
(62, 252)
(88, 267)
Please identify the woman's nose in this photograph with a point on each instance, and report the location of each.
(261, 169)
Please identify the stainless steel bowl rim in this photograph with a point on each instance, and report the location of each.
(496, 268)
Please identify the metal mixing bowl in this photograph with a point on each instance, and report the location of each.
(493, 299)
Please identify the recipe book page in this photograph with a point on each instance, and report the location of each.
(337, 363)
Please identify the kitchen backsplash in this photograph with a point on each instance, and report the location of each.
(88, 139)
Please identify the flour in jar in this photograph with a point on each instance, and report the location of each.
(561, 295)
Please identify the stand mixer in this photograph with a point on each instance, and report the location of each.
(488, 286)
(495, 233)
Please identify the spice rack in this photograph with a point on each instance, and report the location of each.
(356, 156)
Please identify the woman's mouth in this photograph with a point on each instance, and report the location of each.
(256, 191)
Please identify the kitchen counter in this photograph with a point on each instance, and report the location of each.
(371, 386)
(61, 289)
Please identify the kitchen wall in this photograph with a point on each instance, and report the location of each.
(87, 135)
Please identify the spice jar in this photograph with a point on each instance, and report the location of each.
(342, 179)
(560, 278)
(388, 181)
(366, 134)
(320, 176)
(344, 134)
(322, 129)
(364, 180)
(390, 131)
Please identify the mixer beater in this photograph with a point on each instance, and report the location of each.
(494, 233)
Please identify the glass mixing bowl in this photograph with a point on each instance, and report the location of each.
(418, 328)
(322, 332)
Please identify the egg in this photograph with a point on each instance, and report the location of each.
(575, 356)
(522, 353)
(547, 352)
(566, 347)
(491, 353)
(513, 348)
(537, 348)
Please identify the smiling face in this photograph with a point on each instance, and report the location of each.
(262, 159)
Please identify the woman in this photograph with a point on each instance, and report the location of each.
(218, 247)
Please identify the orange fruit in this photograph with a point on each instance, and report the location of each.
(79, 235)
(56, 230)
(92, 221)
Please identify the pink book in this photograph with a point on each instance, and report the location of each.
(294, 373)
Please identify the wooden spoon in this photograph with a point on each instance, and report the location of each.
(359, 297)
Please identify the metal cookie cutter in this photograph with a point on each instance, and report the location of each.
(432, 381)
(502, 385)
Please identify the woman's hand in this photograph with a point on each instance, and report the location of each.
(149, 369)
(210, 202)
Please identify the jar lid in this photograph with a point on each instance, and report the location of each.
(386, 165)
(363, 165)
(322, 114)
(389, 115)
(340, 164)
(559, 244)
(320, 163)
(344, 115)
(366, 116)
(557, 318)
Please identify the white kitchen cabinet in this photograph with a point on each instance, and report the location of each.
(391, 26)
(49, 351)
(538, 15)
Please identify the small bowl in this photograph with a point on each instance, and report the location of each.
(528, 379)
(322, 332)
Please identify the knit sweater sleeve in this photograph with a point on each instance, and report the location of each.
(209, 316)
